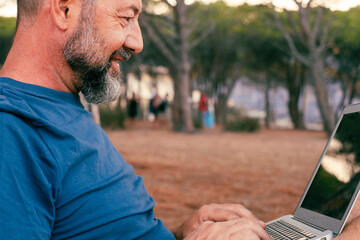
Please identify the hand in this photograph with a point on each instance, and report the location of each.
(236, 229)
(352, 227)
(355, 212)
(214, 213)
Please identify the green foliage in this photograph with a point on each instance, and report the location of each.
(197, 121)
(7, 31)
(7, 26)
(238, 123)
(346, 45)
(112, 118)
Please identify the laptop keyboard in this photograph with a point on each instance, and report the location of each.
(282, 230)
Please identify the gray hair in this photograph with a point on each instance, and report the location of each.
(28, 9)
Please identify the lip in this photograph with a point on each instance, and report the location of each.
(117, 58)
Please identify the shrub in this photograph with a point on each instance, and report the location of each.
(112, 118)
(236, 122)
(197, 121)
(244, 124)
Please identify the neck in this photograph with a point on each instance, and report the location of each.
(33, 60)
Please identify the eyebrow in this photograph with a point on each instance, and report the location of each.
(136, 10)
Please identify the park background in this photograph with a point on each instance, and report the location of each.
(277, 75)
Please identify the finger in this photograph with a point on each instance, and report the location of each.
(216, 214)
(243, 228)
(244, 234)
(246, 223)
(224, 212)
(198, 233)
(246, 226)
(238, 209)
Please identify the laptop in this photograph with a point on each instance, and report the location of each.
(333, 187)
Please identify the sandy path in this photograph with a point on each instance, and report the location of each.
(265, 171)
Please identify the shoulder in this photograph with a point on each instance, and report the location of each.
(29, 181)
(21, 145)
(13, 125)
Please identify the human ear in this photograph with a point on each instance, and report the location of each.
(60, 13)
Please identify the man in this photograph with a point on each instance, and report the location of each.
(60, 176)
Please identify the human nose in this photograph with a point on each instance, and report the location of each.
(134, 40)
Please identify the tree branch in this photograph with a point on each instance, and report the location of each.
(324, 37)
(290, 42)
(168, 3)
(316, 27)
(168, 40)
(304, 17)
(294, 28)
(203, 35)
(157, 41)
(309, 4)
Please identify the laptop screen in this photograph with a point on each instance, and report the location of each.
(339, 173)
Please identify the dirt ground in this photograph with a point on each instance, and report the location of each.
(265, 171)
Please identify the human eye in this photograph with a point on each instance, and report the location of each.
(124, 20)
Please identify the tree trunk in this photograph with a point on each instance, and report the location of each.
(296, 115)
(183, 71)
(222, 93)
(221, 109)
(177, 111)
(268, 116)
(353, 87)
(177, 56)
(295, 80)
(322, 96)
(92, 108)
(184, 99)
(181, 108)
(314, 34)
(96, 113)
(345, 93)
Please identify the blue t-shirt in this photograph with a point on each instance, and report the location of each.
(60, 176)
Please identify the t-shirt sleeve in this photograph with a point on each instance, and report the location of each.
(28, 181)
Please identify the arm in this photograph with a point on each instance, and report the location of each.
(352, 227)
(26, 196)
(223, 221)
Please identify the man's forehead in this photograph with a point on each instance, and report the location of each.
(134, 5)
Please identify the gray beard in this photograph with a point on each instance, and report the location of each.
(93, 75)
(101, 86)
(98, 83)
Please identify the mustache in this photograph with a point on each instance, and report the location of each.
(122, 52)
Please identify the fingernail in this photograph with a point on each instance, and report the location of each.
(261, 222)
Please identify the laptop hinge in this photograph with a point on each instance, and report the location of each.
(309, 224)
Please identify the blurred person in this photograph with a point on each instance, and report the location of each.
(60, 176)
(203, 108)
(133, 109)
(154, 106)
(163, 112)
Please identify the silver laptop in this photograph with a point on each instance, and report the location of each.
(333, 187)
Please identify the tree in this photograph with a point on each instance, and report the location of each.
(7, 32)
(344, 54)
(217, 60)
(312, 31)
(244, 43)
(173, 45)
(269, 64)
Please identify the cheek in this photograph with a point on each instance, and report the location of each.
(111, 33)
(115, 40)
